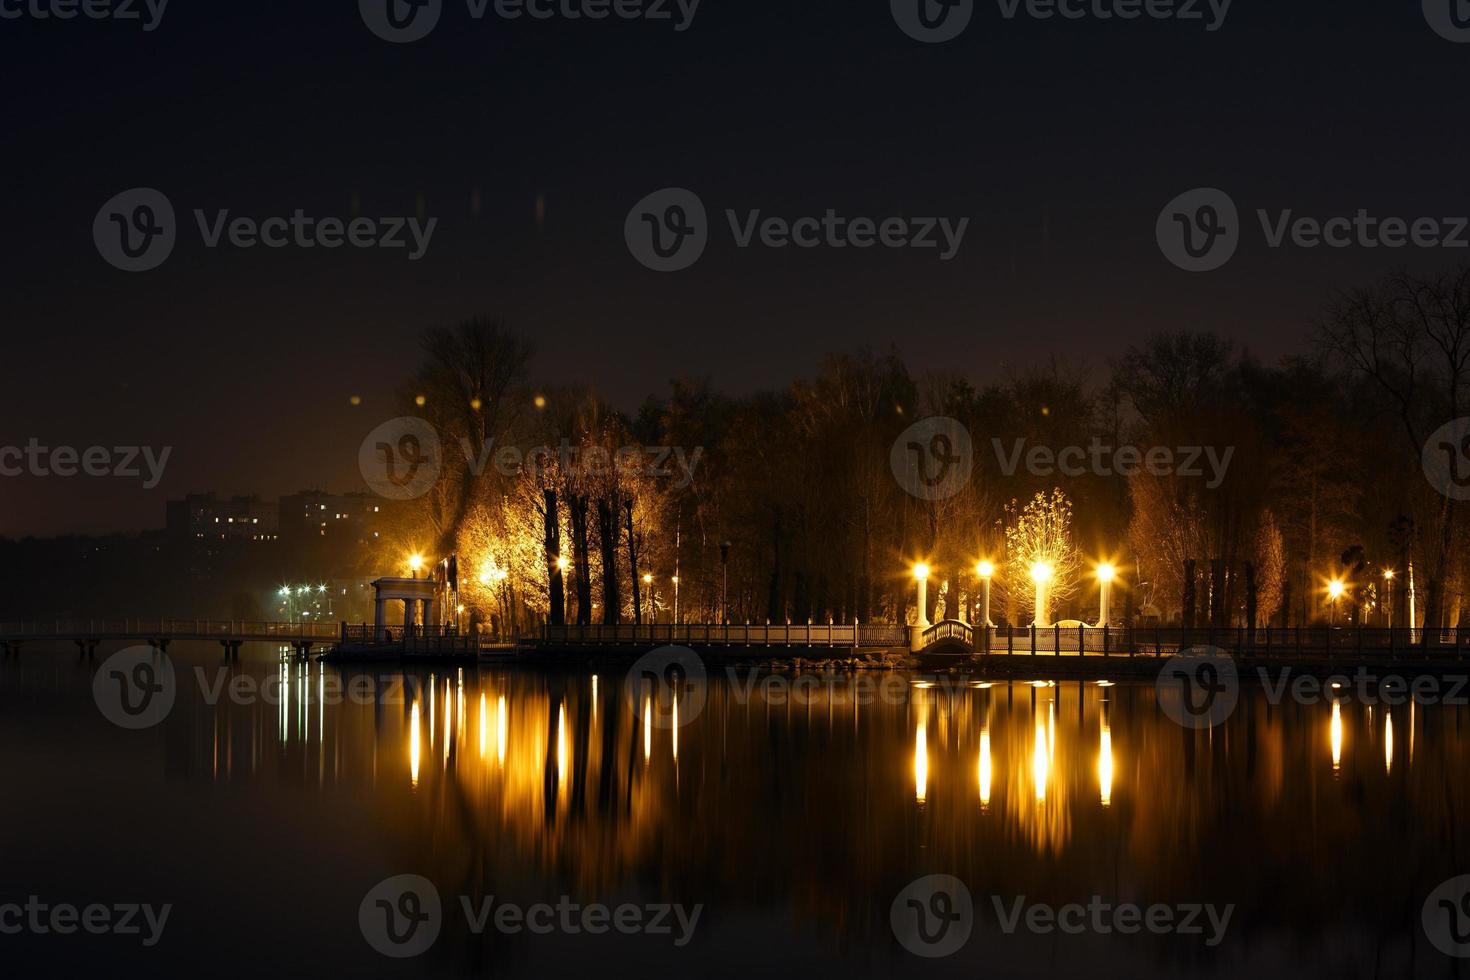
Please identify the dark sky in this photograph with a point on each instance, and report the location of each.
(1060, 140)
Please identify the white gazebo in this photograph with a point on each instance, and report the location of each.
(411, 592)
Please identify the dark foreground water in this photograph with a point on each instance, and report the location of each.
(559, 824)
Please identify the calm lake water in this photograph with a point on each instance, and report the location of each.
(791, 822)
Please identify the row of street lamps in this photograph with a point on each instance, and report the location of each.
(1042, 574)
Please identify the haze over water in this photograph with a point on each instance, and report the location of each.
(793, 821)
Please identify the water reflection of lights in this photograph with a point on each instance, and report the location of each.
(1336, 735)
(647, 728)
(921, 761)
(484, 717)
(1388, 742)
(1039, 761)
(500, 731)
(986, 768)
(413, 744)
(561, 748)
(1105, 763)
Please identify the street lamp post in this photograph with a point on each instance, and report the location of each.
(1105, 576)
(1041, 574)
(725, 581)
(652, 603)
(1388, 582)
(921, 619)
(921, 576)
(1335, 589)
(986, 571)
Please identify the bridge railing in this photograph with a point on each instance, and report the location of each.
(718, 634)
(165, 628)
(1345, 642)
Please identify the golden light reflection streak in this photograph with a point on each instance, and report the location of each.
(561, 747)
(1105, 764)
(413, 744)
(448, 720)
(674, 727)
(1040, 761)
(647, 728)
(484, 719)
(986, 770)
(1336, 736)
(921, 761)
(500, 731)
(1388, 742)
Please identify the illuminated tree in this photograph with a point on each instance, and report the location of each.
(1039, 538)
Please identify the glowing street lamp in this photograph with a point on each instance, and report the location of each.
(652, 601)
(1388, 581)
(1041, 574)
(986, 571)
(1105, 575)
(415, 564)
(1335, 589)
(921, 576)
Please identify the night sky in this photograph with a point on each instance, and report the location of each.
(529, 141)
